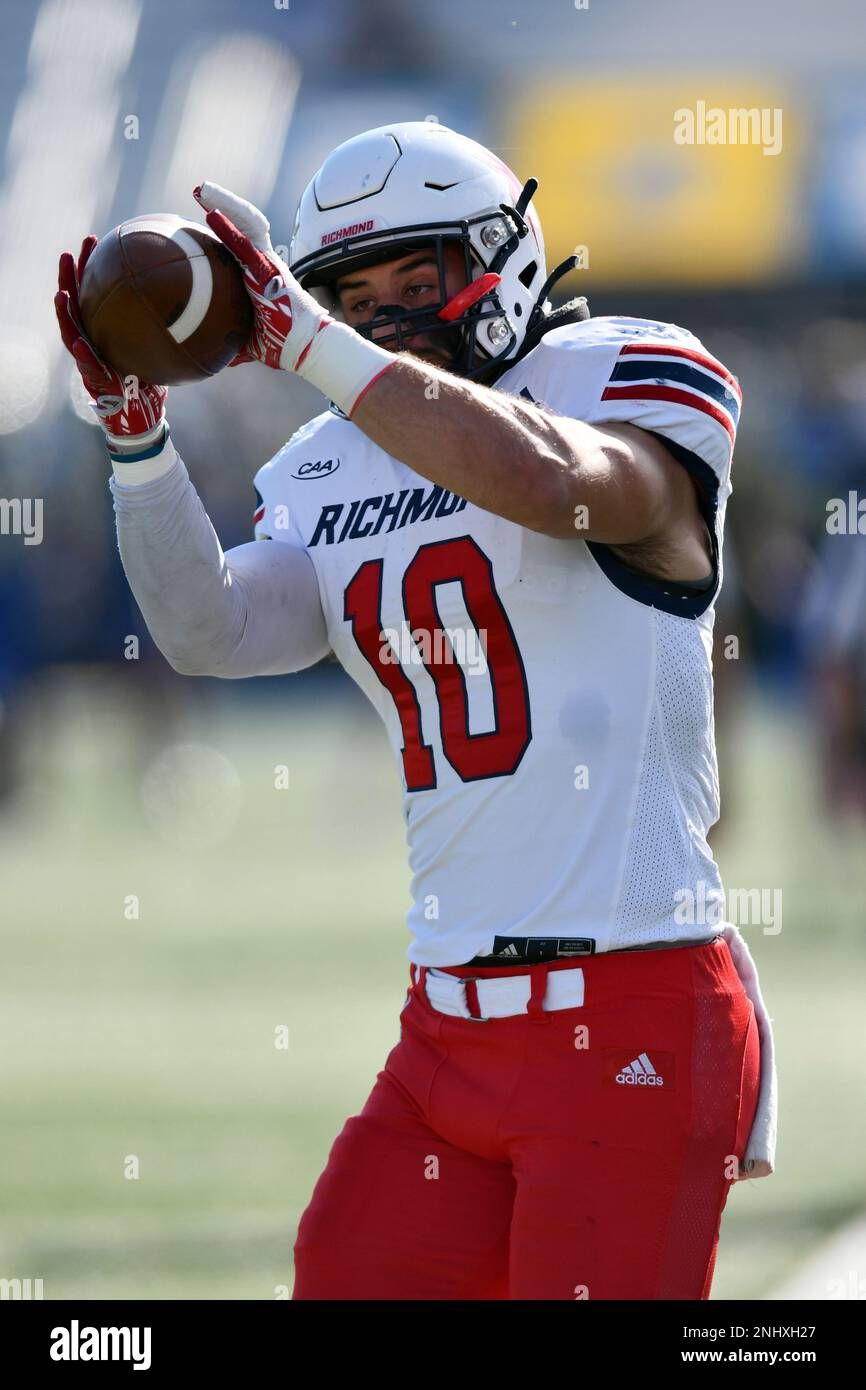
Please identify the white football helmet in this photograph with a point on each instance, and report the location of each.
(389, 190)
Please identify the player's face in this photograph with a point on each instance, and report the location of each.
(412, 282)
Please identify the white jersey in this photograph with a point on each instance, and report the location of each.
(559, 770)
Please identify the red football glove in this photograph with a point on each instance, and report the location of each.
(135, 415)
(291, 330)
(286, 318)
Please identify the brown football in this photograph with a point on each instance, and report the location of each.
(163, 300)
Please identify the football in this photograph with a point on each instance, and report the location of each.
(163, 300)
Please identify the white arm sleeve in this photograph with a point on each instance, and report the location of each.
(254, 611)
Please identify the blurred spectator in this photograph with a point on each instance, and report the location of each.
(835, 629)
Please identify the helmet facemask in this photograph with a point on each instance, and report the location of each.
(473, 325)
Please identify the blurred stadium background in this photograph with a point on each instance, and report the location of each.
(123, 783)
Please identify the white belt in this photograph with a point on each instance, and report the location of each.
(501, 997)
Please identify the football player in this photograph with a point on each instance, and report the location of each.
(507, 526)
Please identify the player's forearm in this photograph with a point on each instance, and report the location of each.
(255, 611)
(176, 569)
(498, 452)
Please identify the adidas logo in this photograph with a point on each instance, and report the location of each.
(640, 1072)
(510, 950)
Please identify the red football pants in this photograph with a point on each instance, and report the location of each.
(511, 1160)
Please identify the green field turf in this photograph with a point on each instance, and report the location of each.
(155, 1037)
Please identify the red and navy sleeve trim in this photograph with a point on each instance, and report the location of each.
(661, 372)
(258, 514)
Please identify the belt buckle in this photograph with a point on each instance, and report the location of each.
(471, 980)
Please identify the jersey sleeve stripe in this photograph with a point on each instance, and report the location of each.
(671, 393)
(703, 359)
(682, 374)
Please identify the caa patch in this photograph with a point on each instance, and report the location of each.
(318, 468)
(627, 1070)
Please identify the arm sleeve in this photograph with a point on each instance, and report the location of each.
(254, 611)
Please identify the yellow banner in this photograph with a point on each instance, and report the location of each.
(665, 181)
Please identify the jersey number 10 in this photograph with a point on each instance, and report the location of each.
(494, 753)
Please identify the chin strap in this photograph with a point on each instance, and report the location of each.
(564, 268)
(540, 320)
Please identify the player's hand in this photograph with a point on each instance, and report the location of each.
(760, 1169)
(128, 416)
(286, 318)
